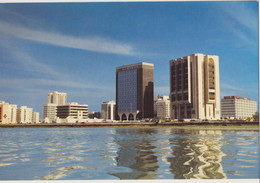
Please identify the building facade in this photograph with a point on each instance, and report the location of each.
(134, 91)
(194, 87)
(72, 110)
(237, 107)
(24, 115)
(162, 107)
(57, 98)
(108, 110)
(49, 111)
(8, 113)
(94, 115)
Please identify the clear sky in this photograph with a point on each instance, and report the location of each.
(76, 47)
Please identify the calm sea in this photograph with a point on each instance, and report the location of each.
(127, 153)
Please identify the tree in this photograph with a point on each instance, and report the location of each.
(256, 116)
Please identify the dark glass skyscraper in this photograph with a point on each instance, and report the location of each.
(134, 91)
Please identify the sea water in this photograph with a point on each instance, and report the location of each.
(127, 153)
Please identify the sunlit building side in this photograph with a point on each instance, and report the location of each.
(237, 107)
(194, 87)
(74, 111)
(108, 110)
(8, 113)
(162, 107)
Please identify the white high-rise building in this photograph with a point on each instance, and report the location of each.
(49, 111)
(108, 110)
(238, 107)
(24, 115)
(7, 113)
(35, 117)
(57, 98)
(194, 87)
(162, 107)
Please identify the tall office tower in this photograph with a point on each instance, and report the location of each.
(108, 110)
(162, 107)
(134, 91)
(194, 87)
(57, 98)
(72, 110)
(237, 107)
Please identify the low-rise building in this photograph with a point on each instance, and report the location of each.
(73, 110)
(236, 107)
(162, 107)
(94, 115)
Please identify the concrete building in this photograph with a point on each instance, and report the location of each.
(237, 107)
(194, 87)
(24, 115)
(162, 107)
(73, 110)
(7, 113)
(49, 111)
(57, 98)
(108, 110)
(94, 115)
(35, 117)
(134, 91)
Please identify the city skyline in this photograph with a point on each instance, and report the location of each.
(76, 47)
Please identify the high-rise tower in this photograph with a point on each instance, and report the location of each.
(194, 87)
(134, 91)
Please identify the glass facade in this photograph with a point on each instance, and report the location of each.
(127, 90)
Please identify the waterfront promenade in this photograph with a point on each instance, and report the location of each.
(134, 124)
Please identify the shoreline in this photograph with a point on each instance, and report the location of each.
(177, 125)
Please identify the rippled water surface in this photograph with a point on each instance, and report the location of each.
(127, 153)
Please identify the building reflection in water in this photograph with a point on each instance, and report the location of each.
(190, 154)
(137, 153)
(197, 154)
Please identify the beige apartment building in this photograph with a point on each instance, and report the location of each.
(194, 87)
(237, 107)
(108, 110)
(7, 113)
(162, 107)
(24, 115)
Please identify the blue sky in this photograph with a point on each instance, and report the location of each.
(76, 47)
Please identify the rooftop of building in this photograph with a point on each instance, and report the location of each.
(196, 54)
(73, 104)
(236, 97)
(135, 65)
